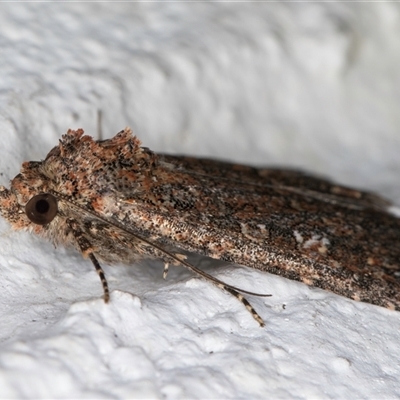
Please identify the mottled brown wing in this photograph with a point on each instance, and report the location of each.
(293, 225)
(297, 180)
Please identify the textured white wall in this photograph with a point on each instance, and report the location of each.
(310, 85)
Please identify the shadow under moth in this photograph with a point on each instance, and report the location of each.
(118, 202)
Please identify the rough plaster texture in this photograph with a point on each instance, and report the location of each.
(309, 85)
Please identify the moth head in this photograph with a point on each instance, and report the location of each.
(28, 204)
(82, 171)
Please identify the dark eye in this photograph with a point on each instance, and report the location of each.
(41, 209)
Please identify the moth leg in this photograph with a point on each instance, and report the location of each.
(165, 272)
(179, 258)
(102, 276)
(245, 302)
(87, 250)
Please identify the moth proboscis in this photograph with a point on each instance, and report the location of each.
(116, 201)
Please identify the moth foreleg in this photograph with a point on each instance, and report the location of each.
(102, 276)
(87, 250)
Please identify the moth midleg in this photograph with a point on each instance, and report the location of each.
(181, 258)
(245, 302)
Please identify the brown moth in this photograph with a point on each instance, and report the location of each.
(116, 201)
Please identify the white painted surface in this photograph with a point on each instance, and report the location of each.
(310, 85)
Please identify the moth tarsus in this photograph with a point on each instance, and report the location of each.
(249, 307)
(116, 201)
(102, 277)
(165, 272)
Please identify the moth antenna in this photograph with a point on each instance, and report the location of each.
(205, 275)
(180, 258)
(100, 124)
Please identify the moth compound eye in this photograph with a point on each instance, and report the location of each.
(41, 209)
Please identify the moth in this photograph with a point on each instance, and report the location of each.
(118, 202)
